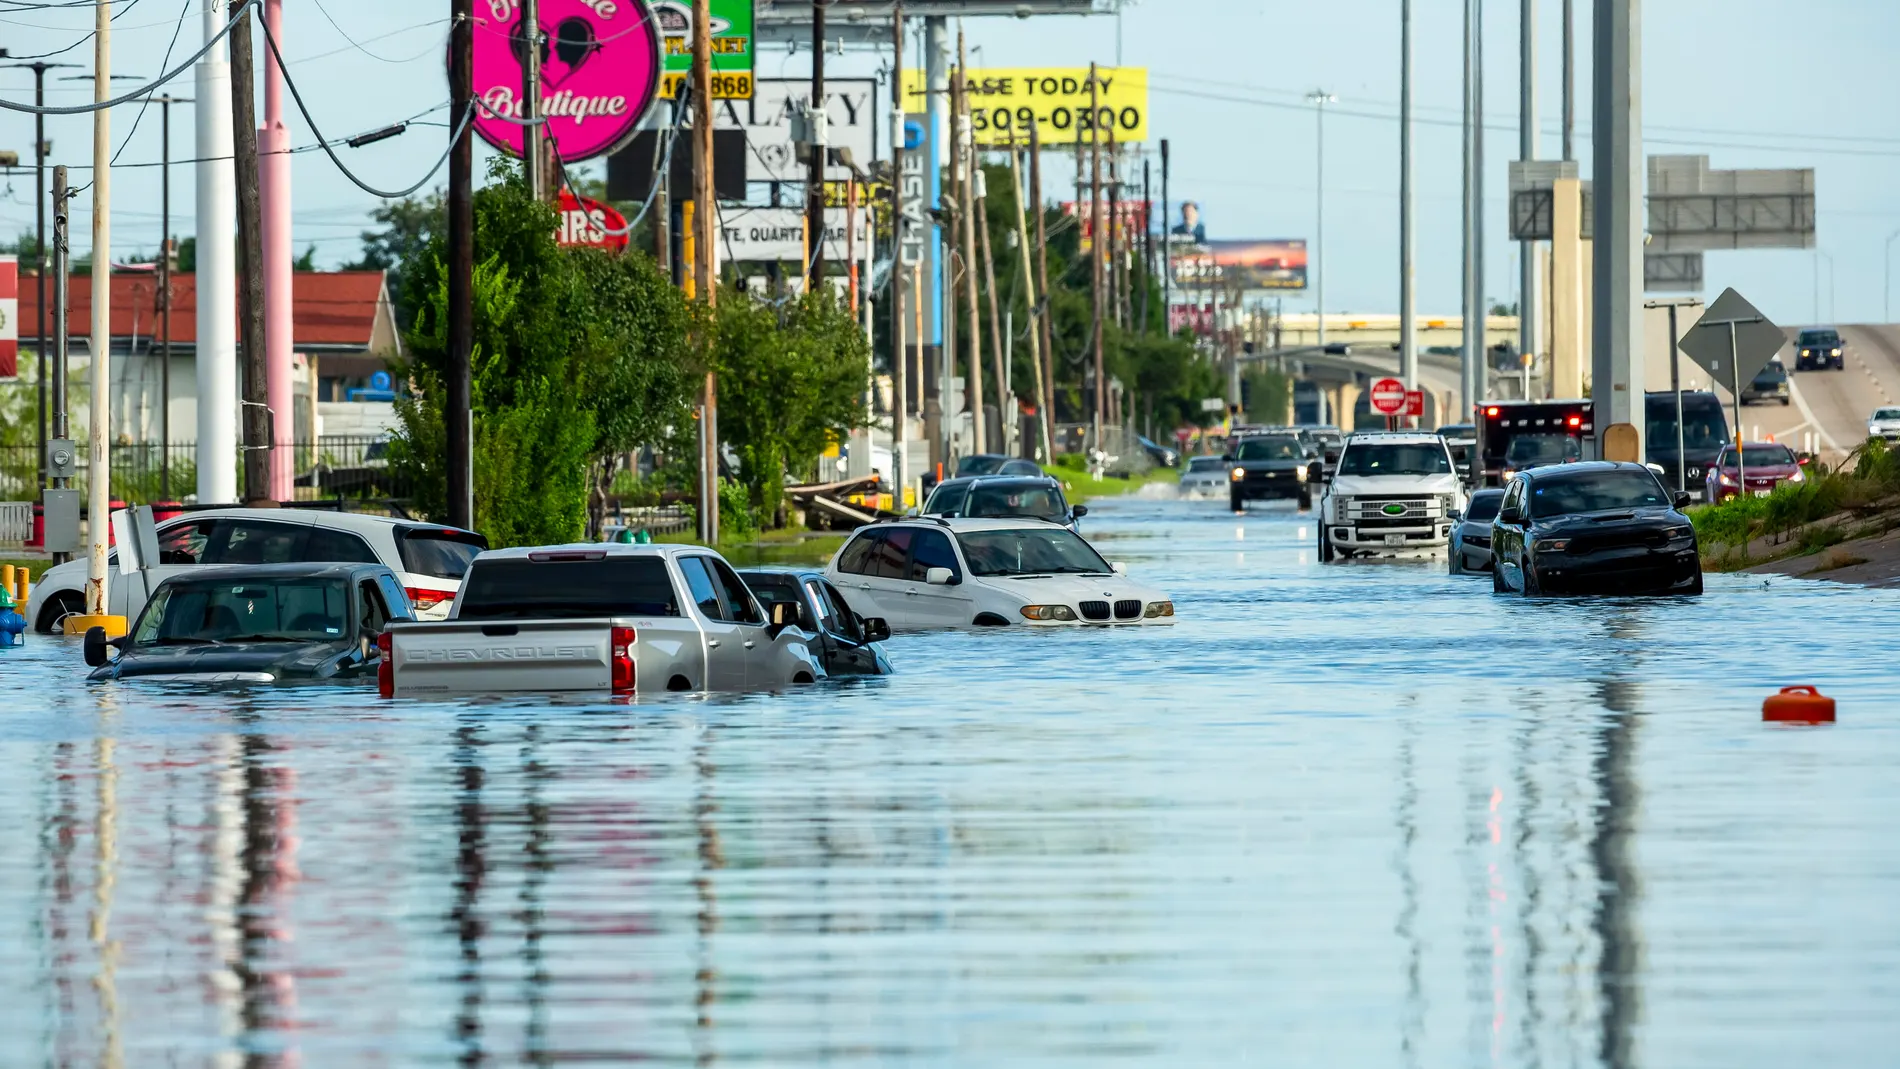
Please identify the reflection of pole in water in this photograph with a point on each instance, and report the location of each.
(57, 839)
(221, 911)
(1528, 800)
(711, 859)
(268, 866)
(106, 844)
(471, 865)
(1412, 1028)
(534, 775)
(1614, 919)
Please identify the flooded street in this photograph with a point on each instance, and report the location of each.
(1355, 815)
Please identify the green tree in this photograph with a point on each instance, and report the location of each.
(409, 228)
(306, 262)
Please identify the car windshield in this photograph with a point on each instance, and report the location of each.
(982, 464)
(516, 588)
(254, 610)
(1758, 456)
(439, 552)
(1887, 413)
(1542, 449)
(1275, 448)
(1043, 551)
(1395, 458)
(1820, 337)
(1703, 426)
(1484, 506)
(1002, 502)
(1216, 463)
(1770, 375)
(1595, 491)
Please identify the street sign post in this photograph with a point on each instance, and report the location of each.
(1387, 397)
(1734, 341)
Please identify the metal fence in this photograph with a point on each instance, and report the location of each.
(334, 466)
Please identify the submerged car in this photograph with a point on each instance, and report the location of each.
(923, 574)
(1204, 475)
(995, 464)
(1819, 348)
(1765, 465)
(1270, 466)
(1000, 497)
(1394, 492)
(1596, 527)
(1470, 548)
(844, 641)
(281, 623)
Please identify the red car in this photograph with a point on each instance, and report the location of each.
(1768, 465)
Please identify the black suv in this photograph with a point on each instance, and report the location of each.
(1595, 527)
(1819, 349)
(1267, 466)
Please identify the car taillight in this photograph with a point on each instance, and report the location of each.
(428, 599)
(621, 648)
(385, 667)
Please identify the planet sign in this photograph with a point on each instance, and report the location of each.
(600, 73)
(586, 221)
(1387, 397)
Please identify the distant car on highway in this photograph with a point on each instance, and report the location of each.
(1769, 384)
(1884, 423)
(1767, 464)
(1819, 349)
(1394, 491)
(1204, 475)
(1270, 466)
(1470, 547)
(1596, 527)
(998, 497)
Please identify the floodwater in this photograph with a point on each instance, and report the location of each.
(1362, 815)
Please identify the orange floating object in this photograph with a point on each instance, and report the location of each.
(1798, 705)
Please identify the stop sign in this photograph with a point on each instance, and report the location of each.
(1387, 397)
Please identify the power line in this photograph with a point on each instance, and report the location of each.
(242, 10)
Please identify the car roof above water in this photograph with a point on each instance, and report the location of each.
(219, 572)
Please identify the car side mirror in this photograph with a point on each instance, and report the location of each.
(1510, 515)
(940, 576)
(1682, 499)
(782, 613)
(876, 629)
(1227, 458)
(96, 644)
(1079, 511)
(1457, 515)
(1316, 471)
(1119, 568)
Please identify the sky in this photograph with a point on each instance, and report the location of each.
(1751, 83)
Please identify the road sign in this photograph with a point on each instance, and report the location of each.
(1002, 99)
(1756, 341)
(1415, 402)
(600, 77)
(732, 47)
(1213, 404)
(1387, 397)
(586, 221)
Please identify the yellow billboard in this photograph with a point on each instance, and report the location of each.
(1002, 100)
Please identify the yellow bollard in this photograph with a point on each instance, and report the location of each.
(26, 593)
(6, 578)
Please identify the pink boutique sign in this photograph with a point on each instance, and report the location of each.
(600, 73)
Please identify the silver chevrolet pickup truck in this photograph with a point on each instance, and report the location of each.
(607, 619)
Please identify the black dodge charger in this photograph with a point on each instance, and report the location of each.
(1593, 528)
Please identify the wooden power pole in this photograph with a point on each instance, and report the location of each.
(1096, 245)
(964, 157)
(458, 420)
(706, 285)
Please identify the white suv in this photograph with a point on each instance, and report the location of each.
(939, 573)
(1393, 492)
(429, 559)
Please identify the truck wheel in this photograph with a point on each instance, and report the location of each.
(58, 608)
(1784, 402)
(1306, 500)
(1497, 580)
(1325, 546)
(1236, 502)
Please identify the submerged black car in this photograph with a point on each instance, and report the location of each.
(1002, 497)
(1593, 528)
(846, 642)
(1267, 466)
(273, 623)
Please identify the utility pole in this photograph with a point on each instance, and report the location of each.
(1030, 290)
(965, 163)
(1617, 377)
(1043, 326)
(99, 473)
(1570, 81)
(1109, 230)
(1100, 284)
(216, 356)
(1167, 247)
(62, 247)
(1527, 150)
(459, 419)
(279, 319)
(1004, 424)
(706, 285)
(900, 381)
(950, 206)
(1147, 243)
(250, 274)
(815, 184)
(165, 248)
(39, 70)
(1408, 229)
(533, 164)
(1319, 98)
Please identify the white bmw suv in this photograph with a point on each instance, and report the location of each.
(933, 573)
(1393, 492)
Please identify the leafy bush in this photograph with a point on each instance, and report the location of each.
(1072, 462)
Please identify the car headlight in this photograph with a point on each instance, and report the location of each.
(1684, 531)
(1236, 474)
(1159, 608)
(1048, 612)
(1551, 545)
(1797, 477)
(1725, 480)
(1835, 352)
(1300, 473)
(1805, 352)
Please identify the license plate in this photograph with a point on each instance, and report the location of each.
(1395, 540)
(1763, 493)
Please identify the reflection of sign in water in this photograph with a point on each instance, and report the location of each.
(731, 47)
(1003, 99)
(778, 234)
(1246, 265)
(586, 221)
(600, 74)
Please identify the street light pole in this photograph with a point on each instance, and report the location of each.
(1319, 98)
(165, 293)
(1408, 233)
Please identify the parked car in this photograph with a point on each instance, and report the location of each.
(1204, 475)
(1884, 423)
(275, 623)
(996, 497)
(1769, 384)
(940, 573)
(1818, 349)
(844, 641)
(996, 464)
(1596, 527)
(1163, 456)
(603, 619)
(428, 559)
(1765, 465)
(1470, 547)
(1395, 491)
(1272, 466)
(1703, 434)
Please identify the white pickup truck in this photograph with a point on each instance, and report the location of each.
(607, 619)
(1393, 492)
